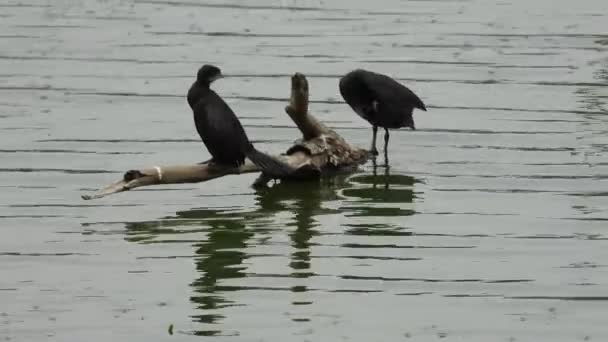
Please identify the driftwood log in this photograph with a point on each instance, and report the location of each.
(319, 151)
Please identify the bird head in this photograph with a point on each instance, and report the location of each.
(208, 73)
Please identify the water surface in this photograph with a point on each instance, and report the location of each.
(489, 225)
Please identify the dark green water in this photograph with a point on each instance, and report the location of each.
(490, 224)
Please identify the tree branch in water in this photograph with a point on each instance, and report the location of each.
(321, 150)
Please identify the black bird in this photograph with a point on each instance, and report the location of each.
(221, 130)
(380, 100)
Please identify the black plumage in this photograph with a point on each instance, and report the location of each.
(221, 130)
(380, 100)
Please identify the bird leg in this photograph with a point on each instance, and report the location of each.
(386, 136)
(373, 149)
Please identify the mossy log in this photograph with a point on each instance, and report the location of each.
(319, 151)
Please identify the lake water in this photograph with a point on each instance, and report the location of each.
(491, 223)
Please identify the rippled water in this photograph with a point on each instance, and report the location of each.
(489, 225)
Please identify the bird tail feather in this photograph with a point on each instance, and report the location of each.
(420, 104)
(269, 165)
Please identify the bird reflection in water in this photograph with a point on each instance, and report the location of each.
(386, 169)
(221, 257)
(379, 202)
(305, 201)
(224, 251)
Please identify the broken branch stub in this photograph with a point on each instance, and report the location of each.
(320, 150)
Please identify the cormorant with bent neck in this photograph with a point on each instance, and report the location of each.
(221, 130)
(380, 100)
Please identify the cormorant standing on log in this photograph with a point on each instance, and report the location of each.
(221, 130)
(381, 101)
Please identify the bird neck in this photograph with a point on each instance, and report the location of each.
(197, 91)
(203, 84)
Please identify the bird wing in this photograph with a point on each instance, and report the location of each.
(388, 91)
(355, 92)
(219, 128)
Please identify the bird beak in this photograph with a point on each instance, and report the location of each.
(218, 77)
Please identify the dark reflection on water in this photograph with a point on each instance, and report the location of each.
(305, 201)
(228, 233)
(220, 257)
(380, 195)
